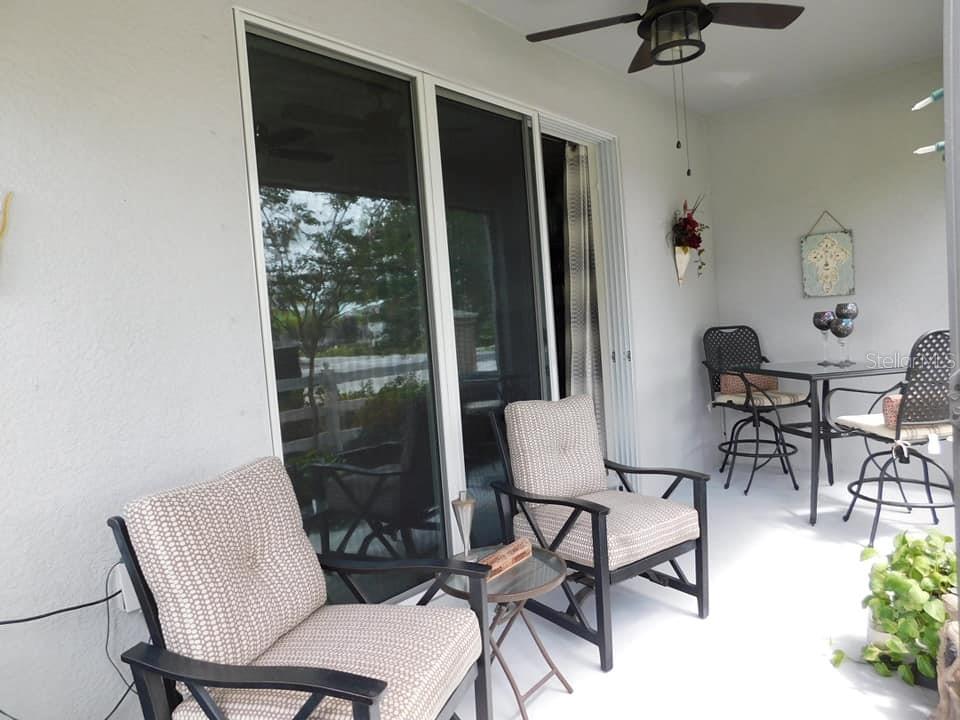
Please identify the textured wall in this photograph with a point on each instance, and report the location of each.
(131, 349)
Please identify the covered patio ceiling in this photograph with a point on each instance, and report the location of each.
(831, 41)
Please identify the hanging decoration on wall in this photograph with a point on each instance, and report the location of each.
(687, 236)
(827, 260)
(4, 213)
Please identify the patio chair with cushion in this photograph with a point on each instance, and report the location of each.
(728, 351)
(557, 495)
(235, 603)
(913, 413)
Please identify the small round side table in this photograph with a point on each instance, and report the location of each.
(509, 591)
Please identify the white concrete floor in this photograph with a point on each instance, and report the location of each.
(783, 596)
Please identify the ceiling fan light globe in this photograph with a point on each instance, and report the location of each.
(675, 37)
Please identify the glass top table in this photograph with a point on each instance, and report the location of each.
(538, 574)
(820, 434)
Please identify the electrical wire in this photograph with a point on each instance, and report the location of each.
(106, 640)
(106, 643)
(81, 606)
(119, 702)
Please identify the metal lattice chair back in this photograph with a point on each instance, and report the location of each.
(730, 347)
(925, 389)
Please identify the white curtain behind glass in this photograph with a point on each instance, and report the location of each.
(584, 375)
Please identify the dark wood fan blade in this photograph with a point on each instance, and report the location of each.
(642, 60)
(583, 27)
(755, 15)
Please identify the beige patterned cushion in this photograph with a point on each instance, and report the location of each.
(228, 562)
(779, 397)
(638, 526)
(734, 384)
(422, 653)
(555, 447)
(875, 425)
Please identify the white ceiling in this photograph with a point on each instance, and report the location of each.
(832, 39)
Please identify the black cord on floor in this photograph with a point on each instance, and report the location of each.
(119, 702)
(8, 715)
(60, 610)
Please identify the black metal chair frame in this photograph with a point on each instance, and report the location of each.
(756, 414)
(599, 577)
(156, 670)
(897, 452)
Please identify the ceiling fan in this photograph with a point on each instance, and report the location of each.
(671, 28)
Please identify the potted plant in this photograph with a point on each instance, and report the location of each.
(687, 239)
(905, 607)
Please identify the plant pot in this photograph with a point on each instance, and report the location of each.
(682, 257)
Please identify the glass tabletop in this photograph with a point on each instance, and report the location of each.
(812, 370)
(539, 573)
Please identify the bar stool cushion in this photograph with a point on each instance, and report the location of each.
(422, 653)
(779, 397)
(874, 425)
(638, 526)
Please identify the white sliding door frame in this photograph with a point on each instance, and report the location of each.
(446, 386)
(606, 187)
(543, 290)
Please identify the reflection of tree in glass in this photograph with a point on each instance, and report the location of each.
(333, 262)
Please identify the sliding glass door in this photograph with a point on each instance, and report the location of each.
(489, 198)
(340, 214)
(403, 291)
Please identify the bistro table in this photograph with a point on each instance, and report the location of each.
(817, 430)
(509, 591)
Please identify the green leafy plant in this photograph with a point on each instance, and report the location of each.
(904, 603)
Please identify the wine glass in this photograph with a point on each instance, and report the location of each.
(842, 328)
(821, 321)
(847, 311)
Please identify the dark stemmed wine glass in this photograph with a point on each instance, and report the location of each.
(821, 321)
(847, 311)
(842, 328)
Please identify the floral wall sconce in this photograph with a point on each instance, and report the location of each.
(687, 237)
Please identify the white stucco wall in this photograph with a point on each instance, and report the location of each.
(129, 328)
(777, 166)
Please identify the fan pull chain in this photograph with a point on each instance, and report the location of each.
(686, 131)
(676, 107)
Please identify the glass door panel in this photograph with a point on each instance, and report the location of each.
(495, 269)
(341, 219)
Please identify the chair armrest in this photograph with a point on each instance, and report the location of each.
(699, 480)
(828, 401)
(451, 567)
(334, 683)
(570, 502)
(675, 472)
